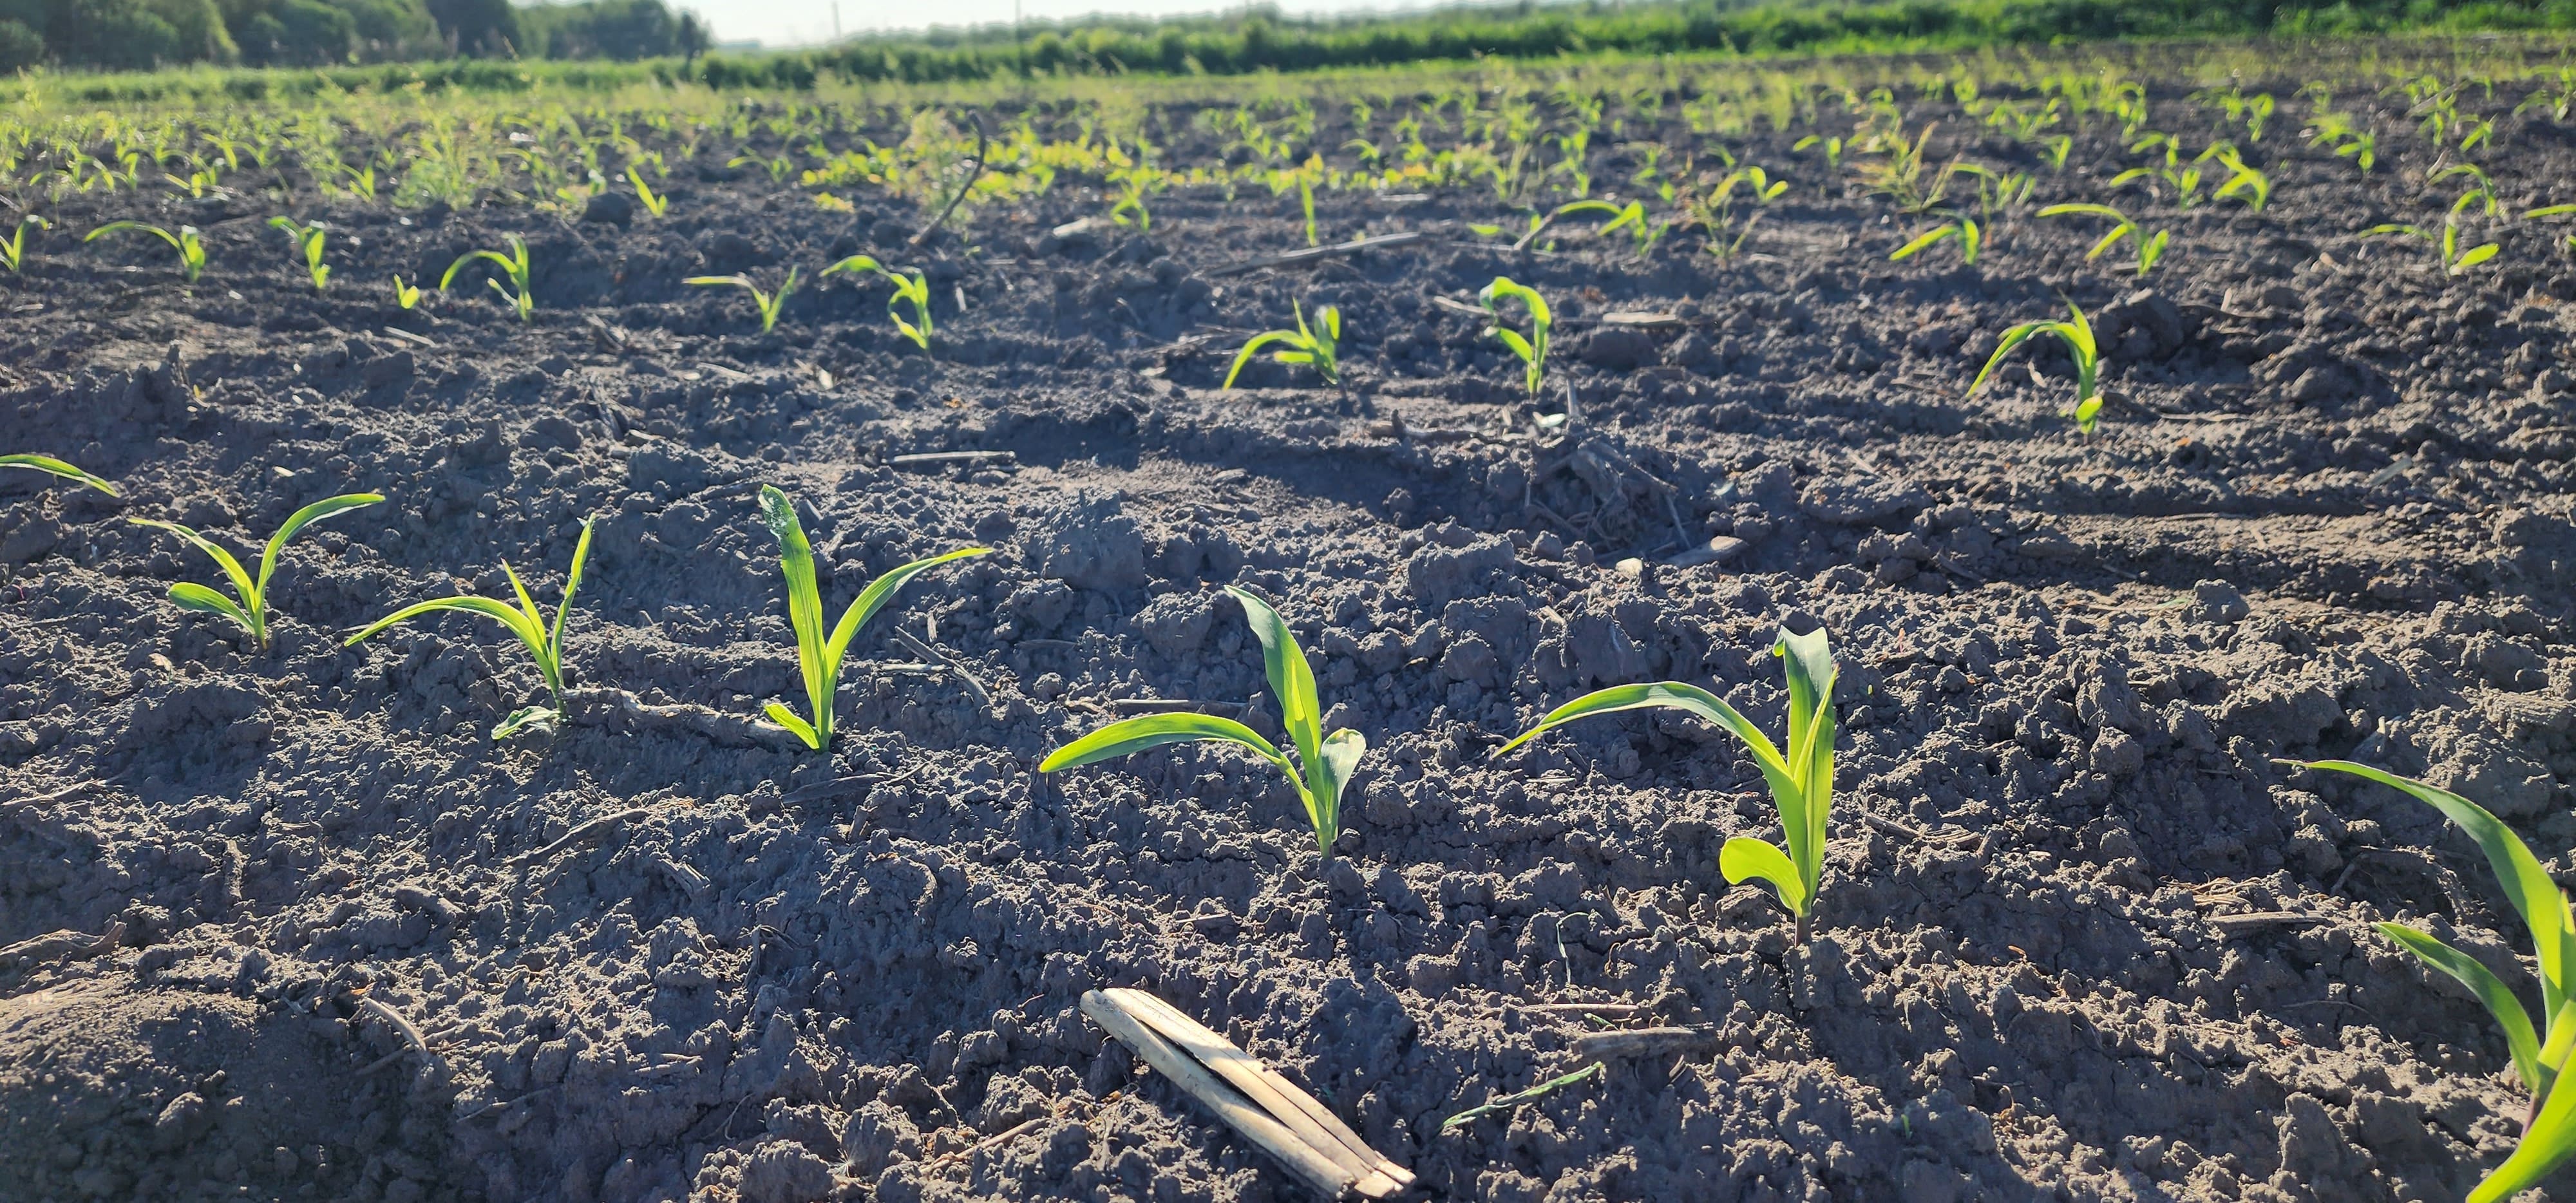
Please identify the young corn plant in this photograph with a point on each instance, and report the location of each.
(1316, 345)
(1965, 229)
(768, 303)
(1324, 762)
(308, 242)
(2244, 182)
(819, 653)
(406, 295)
(655, 204)
(545, 642)
(2150, 250)
(191, 249)
(1801, 775)
(1715, 210)
(13, 249)
(47, 463)
(2446, 241)
(912, 290)
(1631, 216)
(513, 265)
(249, 603)
(1532, 349)
(2078, 337)
(2539, 1053)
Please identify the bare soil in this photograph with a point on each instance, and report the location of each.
(2079, 938)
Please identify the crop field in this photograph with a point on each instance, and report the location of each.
(1644, 628)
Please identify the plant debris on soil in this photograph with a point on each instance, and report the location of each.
(294, 926)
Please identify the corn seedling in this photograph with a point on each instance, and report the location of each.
(769, 304)
(406, 295)
(819, 653)
(1324, 762)
(545, 643)
(1965, 229)
(513, 265)
(192, 250)
(2078, 337)
(1533, 349)
(1316, 345)
(654, 203)
(2244, 182)
(1801, 776)
(2446, 242)
(251, 610)
(912, 290)
(47, 463)
(13, 249)
(1632, 214)
(2150, 250)
(308, 242)
(2539, 1055)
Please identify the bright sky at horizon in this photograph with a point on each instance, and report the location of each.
(811, 22)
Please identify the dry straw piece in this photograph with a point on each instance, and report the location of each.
(1249, 1096)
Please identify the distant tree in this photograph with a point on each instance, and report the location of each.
(694, 37)
(20, 47)
(480, 27)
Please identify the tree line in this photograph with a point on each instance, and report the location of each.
(136, 35)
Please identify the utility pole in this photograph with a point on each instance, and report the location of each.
(836, 20)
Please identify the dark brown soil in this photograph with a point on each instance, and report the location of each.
(2328, 516)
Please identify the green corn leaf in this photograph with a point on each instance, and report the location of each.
(1744, 858)
(1156, 730)
(2012, 338)
(47, 463)
(469, 257)
(1809, 662)
(2501, 1003)
(243, 586)
(1252, 348)
(305, 517)
(784, 717)
(1923, 240)
(1292, 680)
(528, 718)
(502, 612)
(572, 581)
(1672, 695)
(804, 602)
(1341, 752)
(2473, 257)
(2527, 885)
(188, 595)
(881, 591)
(2546, 1145)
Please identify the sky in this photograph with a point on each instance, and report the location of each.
(805, 22)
